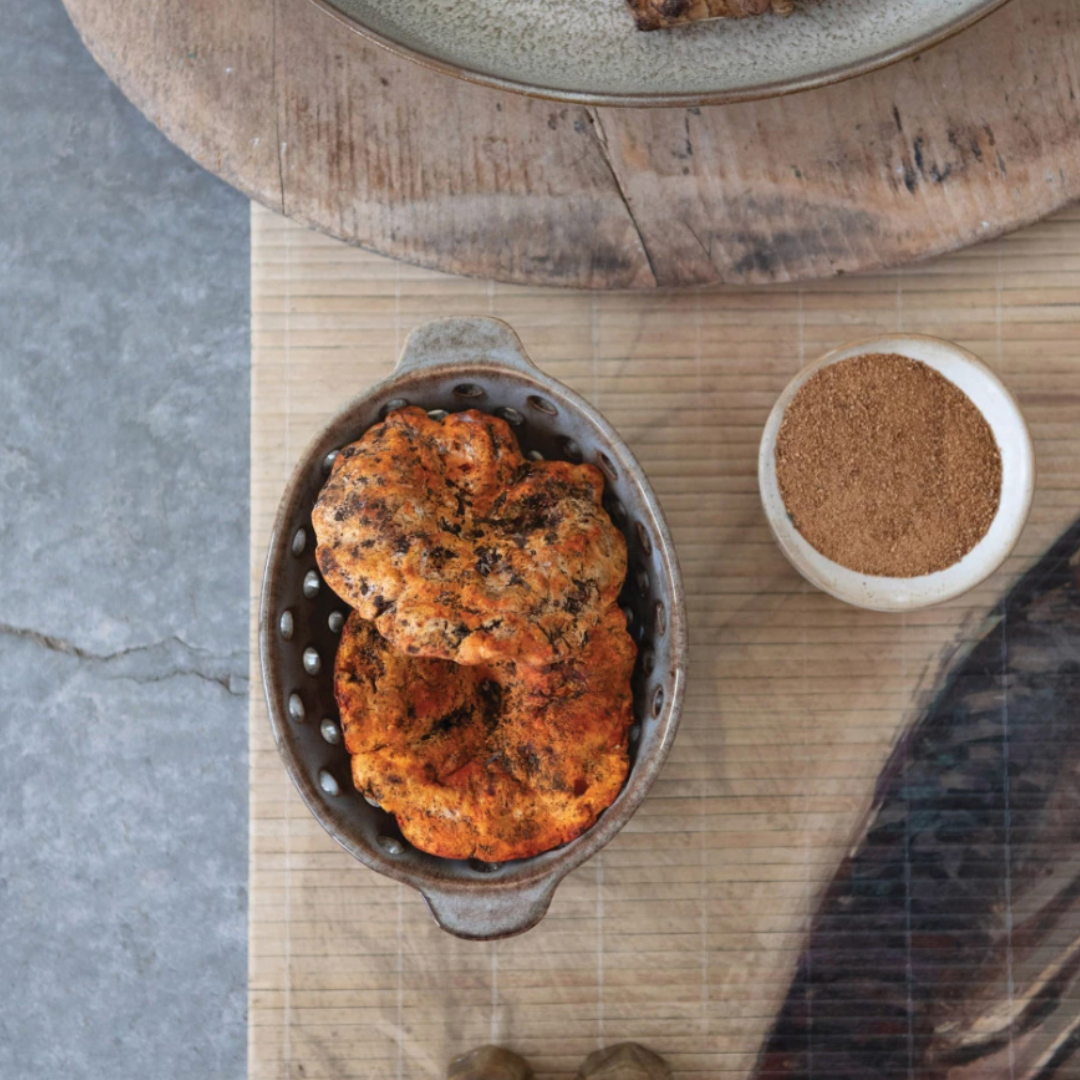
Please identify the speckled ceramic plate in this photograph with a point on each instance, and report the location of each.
(588, 51)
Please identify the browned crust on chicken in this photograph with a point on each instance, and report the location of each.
(457, 548)
(493, 761)
(662, 14)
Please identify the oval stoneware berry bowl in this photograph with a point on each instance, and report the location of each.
(452, 365)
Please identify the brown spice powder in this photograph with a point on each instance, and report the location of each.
(888, 468)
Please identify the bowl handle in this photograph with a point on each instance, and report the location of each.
(467, 340)
(491, 914)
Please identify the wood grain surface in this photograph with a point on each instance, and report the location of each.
(686, 931)
(970, 140)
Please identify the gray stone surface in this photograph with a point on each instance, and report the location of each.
(124, 398)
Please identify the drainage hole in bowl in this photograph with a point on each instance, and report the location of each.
(470, 391)
(635, 733)
(328, 783)
(336, 621)
(658, 702)
(391, 405)
(648, 660)
(511, 416)
(438, 415)
(286, 625)
(644, 539)
(484, 867)
(618, 513)
(571, 449)
(330, 732)
(312, 661)
(660, 618)
(297, 712)
(328, 462)
(372, 802)
(642, 580)
(312, 583)
(629, 613)
(607, 466)
(391, 845)
(542, 405)
(535, 455)
(299, 542)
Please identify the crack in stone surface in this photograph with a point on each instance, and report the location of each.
(225, 679)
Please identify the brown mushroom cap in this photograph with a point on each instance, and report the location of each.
(492, 761)
(457, 548)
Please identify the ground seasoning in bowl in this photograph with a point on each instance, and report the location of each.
(886, 467)
(896, 473)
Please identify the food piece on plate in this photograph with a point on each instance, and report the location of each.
(492, 761)
(661, 14)
(457, 548)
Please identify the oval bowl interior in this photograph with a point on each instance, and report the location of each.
(589, 52)
(652, 595)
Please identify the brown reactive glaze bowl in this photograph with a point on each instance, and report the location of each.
(452, 365)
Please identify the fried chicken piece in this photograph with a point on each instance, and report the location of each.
(457, 548)
(492, 761)
(661, 14)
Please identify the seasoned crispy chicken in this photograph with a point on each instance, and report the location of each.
(660, 14)
(457, 548)
(493, 761)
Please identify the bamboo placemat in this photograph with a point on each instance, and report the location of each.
(683, 933)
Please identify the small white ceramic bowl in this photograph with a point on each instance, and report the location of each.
(1006, 421)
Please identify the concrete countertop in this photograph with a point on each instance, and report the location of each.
(124, 400)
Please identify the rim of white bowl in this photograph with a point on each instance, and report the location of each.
(997, 404)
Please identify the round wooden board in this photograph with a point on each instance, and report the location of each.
(969, 140)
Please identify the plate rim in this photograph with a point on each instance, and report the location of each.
(776, 88)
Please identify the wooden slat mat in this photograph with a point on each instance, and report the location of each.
(685, 932)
